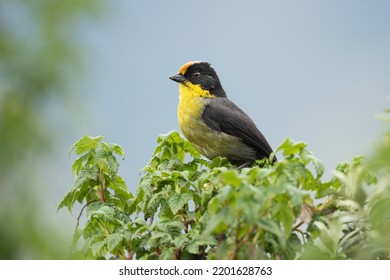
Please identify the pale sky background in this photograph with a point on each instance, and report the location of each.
(313, 71)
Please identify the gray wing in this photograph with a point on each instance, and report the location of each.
(223, 115)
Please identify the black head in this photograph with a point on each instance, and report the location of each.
(200, 73)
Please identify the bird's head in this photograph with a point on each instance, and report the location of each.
(199, 74)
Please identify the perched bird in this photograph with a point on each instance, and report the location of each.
(213, 123)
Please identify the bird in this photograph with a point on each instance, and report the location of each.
(212, 123)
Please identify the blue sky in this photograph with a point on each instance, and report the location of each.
(313, 71)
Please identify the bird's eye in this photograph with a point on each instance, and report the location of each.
(196, 75)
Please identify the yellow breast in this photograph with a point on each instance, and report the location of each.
(190, 109)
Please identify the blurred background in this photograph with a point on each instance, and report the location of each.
(311, 71)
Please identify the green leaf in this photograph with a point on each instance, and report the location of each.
(78, 164)
(152, 205)
(117, 149)
(189, 148)
(370, 178)
(167, 254)
(287, 218)
(177, 201)
(94, 206)
(319, 166)
(66, 202)
(219, 162)
(159, 238)
(113, 240)
(105, 212)
(379, 212)
(86, 174)
(112, 165)
(231, 178)
(98, 248)
(180, 240)
(290, 148)
(122, 194)
(85, 144)
(272, 227)
(214, 205)
(192, 248)
(219, 223)
(329, 235)
(175, 228)
(119, 184)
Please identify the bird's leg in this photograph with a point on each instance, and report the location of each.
(245, 164)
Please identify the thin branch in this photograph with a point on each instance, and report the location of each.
(236, 241)
(81, 212)
(246, 236)
(296, 228)
(103, 187)
(302, 233)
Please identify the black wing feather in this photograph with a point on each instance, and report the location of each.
(223, 115)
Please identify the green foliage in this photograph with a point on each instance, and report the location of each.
(41, 58)
(189, 208)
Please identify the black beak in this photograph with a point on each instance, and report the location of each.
(178, 78)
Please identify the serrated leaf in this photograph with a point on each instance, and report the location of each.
(219, 162)
(94, 206)
(192, 248)
(177, 201)
(113, 240)
(319, 166)
(175, 228)
(66, 202)
(152, 205)
(189, 148)
(159, 238)
(121, 193)
(139, 201)
(180, 240)
(106, 212)
(117, 149)
(370, 178)
(119, 183)
(98, 247)
(167, 254)
(296, 170)
(342, 167)
(287, 218)
(81, 193)
(76, 194)
(85, 181)
(86, 174)
(289, 147)
(165, 210)
(78, 164)
(85, 144)
(145, 184)
(112, 165)
(100, 154)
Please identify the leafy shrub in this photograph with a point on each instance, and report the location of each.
(189, 208)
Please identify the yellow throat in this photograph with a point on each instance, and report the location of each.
(191, 105)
